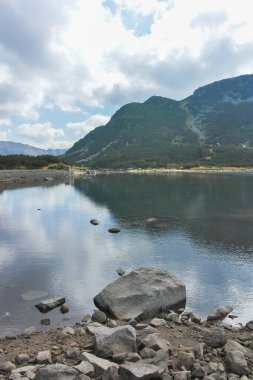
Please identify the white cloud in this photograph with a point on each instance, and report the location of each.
(81, 129)
(71, 56)
(42, 135)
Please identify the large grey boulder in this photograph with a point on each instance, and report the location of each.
(112, 341)
(141, 294)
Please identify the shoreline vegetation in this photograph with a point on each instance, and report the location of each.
(50, 174)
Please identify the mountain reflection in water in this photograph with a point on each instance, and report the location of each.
(202, 234)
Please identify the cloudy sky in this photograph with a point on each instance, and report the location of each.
(67, 65)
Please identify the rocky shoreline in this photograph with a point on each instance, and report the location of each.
(169, 345)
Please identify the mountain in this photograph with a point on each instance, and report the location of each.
(214, 126)
(10, 147)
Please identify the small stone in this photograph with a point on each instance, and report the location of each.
(100, 365)
(7, 366)
(132, 357)
(94, 222)
(156, 342)
(157, 322)
(121, 271)
(44, 357)
(185, 359)
(111, 373)
(195, 318)
(132, 322)
(85, 367)
(198, 373)
(147, 353)
(236, 363)
(199, 350)
(181, 375)
(45, 322)
(141, 326)
(68, 330)
(249, 325)
(86, 318)
(219, 313)
(114, 230)
(111, 323)
(64, 308)
(99, 316)
(80, 331)
(215, 338)
(29, 331)
(73, 353)
(139, 370)
(22, 359)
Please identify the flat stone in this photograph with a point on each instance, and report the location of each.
(85, 367)
(100, 365)
(111, 341)
(215, 338)
(140, 371)
(141, 294)
(219, 313)
(24, 370)
(157, 322)
(92, 327)
(7, 366)
(50, 304)
(44, 357)
(147, 353)
(31, 295)
(57, 372)
(236, 363)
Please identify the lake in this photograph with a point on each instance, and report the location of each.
(203, 234)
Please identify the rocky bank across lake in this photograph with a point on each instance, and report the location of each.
(157, 344)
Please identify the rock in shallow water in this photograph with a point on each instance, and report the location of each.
(50, 304)
(141, 294)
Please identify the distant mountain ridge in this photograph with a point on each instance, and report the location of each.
(214, 126)
(10, 147)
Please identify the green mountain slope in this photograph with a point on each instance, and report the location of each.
(213, 126)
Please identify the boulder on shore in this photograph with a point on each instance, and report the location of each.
(141, 294)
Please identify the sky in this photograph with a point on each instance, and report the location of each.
(67, 66)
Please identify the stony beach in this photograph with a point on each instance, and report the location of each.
(169, 345)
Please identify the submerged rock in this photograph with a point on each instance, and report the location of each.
(64, 308)
(31, 295)
(141, 294)
(50, 304)
(114, 230)
(95, 222)
(121, 271)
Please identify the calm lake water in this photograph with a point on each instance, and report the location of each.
(203, 235)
